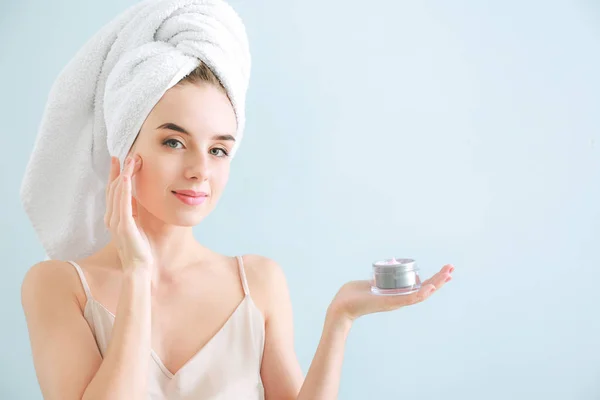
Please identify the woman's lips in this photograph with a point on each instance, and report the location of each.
(190, 200)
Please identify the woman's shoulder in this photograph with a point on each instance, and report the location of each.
(48, 273)
(266, 278)
(262, 269)
(49, 280)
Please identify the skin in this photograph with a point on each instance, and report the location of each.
(153, 302)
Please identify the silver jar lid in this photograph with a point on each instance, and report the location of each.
(395, 265)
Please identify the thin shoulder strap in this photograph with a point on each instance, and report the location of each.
(84, 283)
(243, 275)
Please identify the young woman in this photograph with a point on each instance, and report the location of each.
(155, 314)
(190, 323)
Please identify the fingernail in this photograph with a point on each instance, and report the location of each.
(448, 279)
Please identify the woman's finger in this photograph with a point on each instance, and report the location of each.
(136, 167)
(427, 288)
(134, 211)
(116, 200)
(437, 280)
(137, 164)
(114, 170)
(435, 283)
(442, 275)
(425, 291)
(125, 206)
(111, 195)
(114, 173)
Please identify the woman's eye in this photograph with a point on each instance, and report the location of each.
(166, 143)
(172, 143)
(223, 151)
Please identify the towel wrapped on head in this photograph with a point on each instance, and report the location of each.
(100, 100)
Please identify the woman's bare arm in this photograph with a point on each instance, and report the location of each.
(67, 361)
(280, 371)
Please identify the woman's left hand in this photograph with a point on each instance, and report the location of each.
(355, 298)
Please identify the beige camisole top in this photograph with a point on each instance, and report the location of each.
(226, 368)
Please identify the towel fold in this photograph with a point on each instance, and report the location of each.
(100, 100)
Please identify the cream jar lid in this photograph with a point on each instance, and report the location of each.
(395, 265)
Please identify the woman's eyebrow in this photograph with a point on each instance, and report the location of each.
(174, 127)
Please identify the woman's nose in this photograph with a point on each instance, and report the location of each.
(198, 168)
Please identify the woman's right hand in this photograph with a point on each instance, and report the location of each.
(132, 243)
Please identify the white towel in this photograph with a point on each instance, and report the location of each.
(100, 100)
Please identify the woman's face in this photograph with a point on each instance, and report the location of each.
(173, 160)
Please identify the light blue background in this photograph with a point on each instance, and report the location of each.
(462, 132)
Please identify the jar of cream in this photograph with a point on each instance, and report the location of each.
(395, 276)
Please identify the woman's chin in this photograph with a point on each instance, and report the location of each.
(187, 218)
